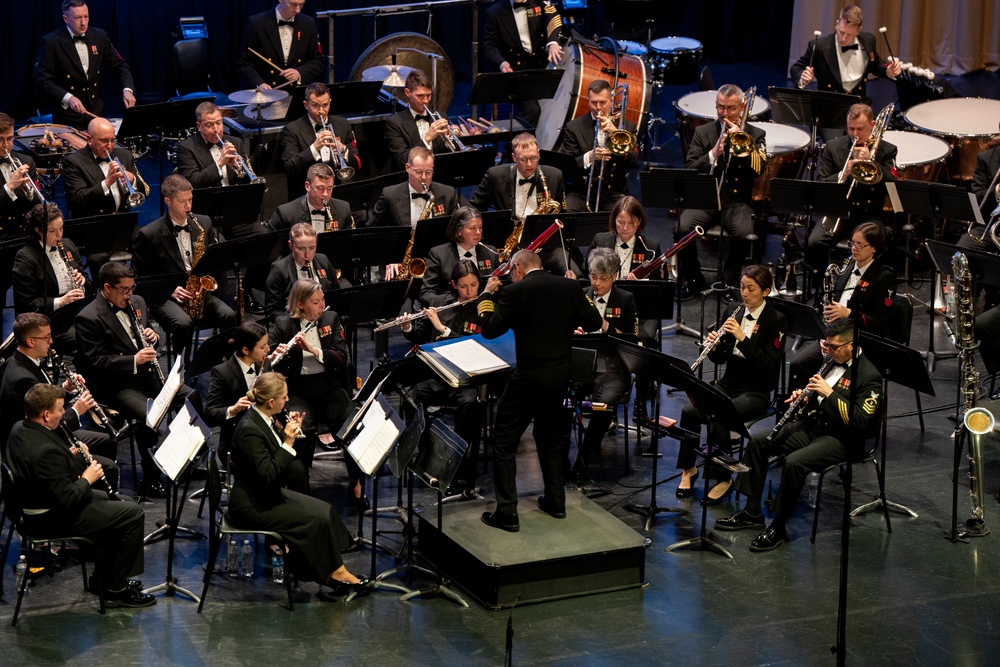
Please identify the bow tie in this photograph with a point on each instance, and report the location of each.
(852, 47)
(319, 127)
(290, 24)
(419, 195)
(115, 309)
(624, 246)
(53, 249)
(750, 317)
(79, 38)
(426, 118)
(181, 228)
(468, 253)
(317, 211)
(251, 371)
(100, 159)
(522, 181)
(307, 267)
(600, 300)
(857, 272)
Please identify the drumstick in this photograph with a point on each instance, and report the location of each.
(265, 59)
(883, 31)
(816, 35)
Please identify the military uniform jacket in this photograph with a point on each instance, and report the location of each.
(105, 350)
(155, 250)
(742, 172)
(296, 152)
(833, 416)
(826, 63)
(35, 284)
(502, 42)
(987, 164)
(195, 163)
(620, 312)
(864, 198)
(497, 188)
(873, 295)
(299, 210)
(84, 191)
(757, 370)
(283, 274)
(261, 35)
(441, 260)
(393, 205)
(47, 474)
(401, 134)
(578, 139)
(643, 249)
(331, 339)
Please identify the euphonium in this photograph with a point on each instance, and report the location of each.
(197, 285)
(741, 144)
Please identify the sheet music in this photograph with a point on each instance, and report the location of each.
(897, 205)
(185, 437)
(376, 436)
(159, 406)
(471, 357)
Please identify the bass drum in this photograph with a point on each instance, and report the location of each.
(968, 124)
(582, 65)
(786, 149)
(380, 53)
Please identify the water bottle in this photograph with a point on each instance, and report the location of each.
(20, 570)
(278, 568)
(950, 306)
(813, 488)
(246, 565)
(233, 560)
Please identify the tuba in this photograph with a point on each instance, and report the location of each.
(198, 285)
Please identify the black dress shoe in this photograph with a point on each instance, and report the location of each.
(547, 507)
(508, 523)
(129, 598)
(639, 412)
(690, 288)
(94, 587)
(742, 520)
(708, 501)
(361, 503)
(346, 588)
(152, 489)
(771, 538)
(688, 492)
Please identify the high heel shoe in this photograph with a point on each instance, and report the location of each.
(361, 503)
(341, 588)
(689, 491)
(708, 501)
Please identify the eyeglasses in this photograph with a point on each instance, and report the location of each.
(47, 337)
(600, 277)
(420, 173)
(125, 290)
(527, 158)
(859, 245)
(833, 347)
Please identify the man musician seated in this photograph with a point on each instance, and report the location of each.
(173, 244)
(465, 233)
(317, 206)
(208, 159)
(310, 139)
(48, 276)
(94, 175)
(413, 126)
(302, 263)
(593, 157)
(17, 196)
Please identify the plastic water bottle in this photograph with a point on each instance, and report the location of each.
(21, 570)
(246, 564)
(813, 488)
(233, 559)
(278, 569)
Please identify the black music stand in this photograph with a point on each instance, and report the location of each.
(653, 298)
(428, 234)
(365, 303)
(235, 209)
(555, 251)
(497, 227)
(356, 249)
(347, 98)
(362, 194)
(586, 226)
(803, 321)
(212, 352)
(812, 108)
(809, 197)
(511, 87)
(241, 253)
(573, 177)
(8, 251)
(158, 288)
(102, 234)
(463, 169)
(902, 365)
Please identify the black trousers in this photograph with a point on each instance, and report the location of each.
(326, 406)
(131, 403)
(180, 326)
(748, 404)
(736, 220)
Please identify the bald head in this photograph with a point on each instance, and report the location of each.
(102, 136)
(524, 261)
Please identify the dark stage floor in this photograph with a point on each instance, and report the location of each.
(914, 597)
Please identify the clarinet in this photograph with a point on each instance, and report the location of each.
(85, 453)
(97, 412)
(707, 349)
(68, 261)
(798, 403)
(140, 337)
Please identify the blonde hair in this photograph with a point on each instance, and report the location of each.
(265, 387)
(302, 290)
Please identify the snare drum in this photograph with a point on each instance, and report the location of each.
(786, 148)
(39, 138)
(632, 48)
(966, 123)
(676, 60)
(581, 67)
(920, 156)
(698, 108)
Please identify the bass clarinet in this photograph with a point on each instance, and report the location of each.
(799, 403)
(97, 412)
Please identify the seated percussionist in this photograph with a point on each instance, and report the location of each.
(17, 197)
(48, 275)
(302, 263)
(316, 207)
(207, 159)
(173, 244)
(465, 231)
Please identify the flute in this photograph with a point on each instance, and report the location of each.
(276, 358)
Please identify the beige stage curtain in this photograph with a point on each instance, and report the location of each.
(945, 36)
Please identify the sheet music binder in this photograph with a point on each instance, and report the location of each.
(502, 347)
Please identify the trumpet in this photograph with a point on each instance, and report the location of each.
(708, 348)
(275, 358)
(30, 188)
(140, 337)
(412, 317)
(242, 166)
(344, 172)
(451, 139)
(135, 198)
(97, 412)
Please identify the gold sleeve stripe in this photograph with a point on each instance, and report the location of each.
(842, 404)
(485, 306)
(554, 24)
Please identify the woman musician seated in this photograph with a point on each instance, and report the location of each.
(464, 233)
(750, 343)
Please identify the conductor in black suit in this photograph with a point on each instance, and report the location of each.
(465, 232)
(68, 68)
(93, 181)
(207, 159)
(288, 39)
(543, 310)
(302, 263)
(842, 61)
(610, 173)
(169, 245)
(317, 207)
(413, 126)
(523, 35)
(710, 152)
(17, 197)
(119, 367)
(309, 139)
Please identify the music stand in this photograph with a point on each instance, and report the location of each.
(573, 177)
(158, 288)
(586, 226)
(348, 98)
(428, 234)
(235, 209)
(212, 352)
(803, 321)
(102, 234)
(355, 249)
(465, 168)
(241, 253)
(497, 227)
(511, 87)
(362, 194)
(556, 245)
(813, 108)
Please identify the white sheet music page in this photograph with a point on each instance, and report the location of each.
(160, 405)
(372, 443)
(183, 442)
(471, 356)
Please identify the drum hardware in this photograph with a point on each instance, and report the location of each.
(675, 60)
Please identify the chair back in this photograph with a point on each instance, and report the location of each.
(705, 79)
(901, 319)
(191, 66)
(213, 485)
(8, 492)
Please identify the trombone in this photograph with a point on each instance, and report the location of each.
(17, 164)
(451, 139)
(345, 172)
(135, 198)
(619, 142)
(741, 144)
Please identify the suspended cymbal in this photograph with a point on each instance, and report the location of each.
(257, 96)
(391, 76)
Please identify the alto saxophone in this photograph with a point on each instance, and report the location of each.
(417, 266)
(197, 285)
(546, 206)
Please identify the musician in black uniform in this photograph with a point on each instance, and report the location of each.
(523, 35)
(59, 500)
(302, 263)
(48, 276)
(287, 39)
(263, 451)
(17, 197)
(867, 284)
(710, 152)
(413, 126)
(169, 245)
(831, 432)
(208, 159)
(612, 381)
(986, 189)
(543, 310)
(68, 68)
(305, 141)
(120, 368)
(751, 347)
(309, 207)
(578, 140)
(465, 233)
(92, 180)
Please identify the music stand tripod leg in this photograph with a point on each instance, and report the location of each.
(441, 587)
(703, 542)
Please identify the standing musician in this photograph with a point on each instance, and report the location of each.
(59, 500)
(317, 364)
(24, 370)
(578, 140)
(263, 451)
(465, 232)
(831, 432)
(93, 181)
(413, 126)
(287, 39)
(520, 35)
(842, 60)
(751, 347)
(121, 367)
(173, 244)
(68, 68)
(305, 141)
(612, 382)
(710, 152)
(866, 284)
(207, 159)
(302, 263)
(309, 208)
(48, 276)
(17, 197)
(543, 310)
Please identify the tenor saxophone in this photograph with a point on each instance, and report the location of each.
(198, 285)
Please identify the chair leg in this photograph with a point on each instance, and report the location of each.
(288, 580)
(6, 547)
(135, 463)
(881, 493)
(920, 409)
(213, 557)
(819, 493)
(24, 580)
